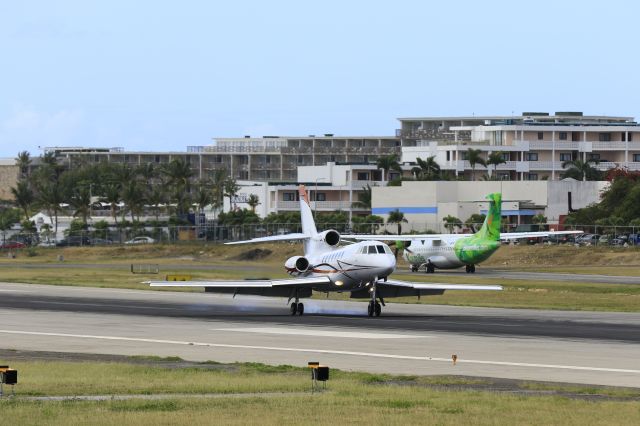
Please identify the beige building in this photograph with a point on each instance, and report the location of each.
(269, 158)
(534, 145)
(9, 174)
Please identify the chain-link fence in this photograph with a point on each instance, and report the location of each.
(592, 234)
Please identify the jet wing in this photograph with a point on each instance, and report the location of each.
(232, 284)
(518, 235)
(285, 237)
(404, 237)
(436, 286)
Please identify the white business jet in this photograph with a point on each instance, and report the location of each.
(362, 269)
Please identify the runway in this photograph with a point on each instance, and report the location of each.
(482, 272)
(577, 347)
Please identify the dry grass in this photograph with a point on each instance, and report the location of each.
(353, 398)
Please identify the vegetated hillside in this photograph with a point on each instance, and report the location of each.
(564, 255)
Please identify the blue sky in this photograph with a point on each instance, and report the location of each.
(161, 75)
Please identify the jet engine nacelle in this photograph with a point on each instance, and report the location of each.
(297, 264)
(330, 237)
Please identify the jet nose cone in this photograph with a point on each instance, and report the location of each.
(390, 263)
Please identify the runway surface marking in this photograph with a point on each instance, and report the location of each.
(320, 333)
(101, 305)
(325, 351)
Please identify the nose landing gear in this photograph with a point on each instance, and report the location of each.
(374, 307)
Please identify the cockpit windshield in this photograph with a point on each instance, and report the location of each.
(374, 249)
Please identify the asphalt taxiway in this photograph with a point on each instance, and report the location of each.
(482, 272)
(579, 347)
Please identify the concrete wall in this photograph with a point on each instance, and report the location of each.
(582, 194)
(8, 178)
(425, 203)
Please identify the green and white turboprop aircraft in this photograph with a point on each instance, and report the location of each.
(450, 251)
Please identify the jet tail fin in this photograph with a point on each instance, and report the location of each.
(491, 226)
(306, 217)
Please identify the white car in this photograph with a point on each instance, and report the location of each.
(141, 240)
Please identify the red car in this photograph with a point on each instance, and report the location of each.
(12, 245)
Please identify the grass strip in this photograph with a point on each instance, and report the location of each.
(354, 398)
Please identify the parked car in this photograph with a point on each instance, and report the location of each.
(47, 243)
(141, 240)
(100, 242)
(12, 245)
(617, 242)
(590, 239)
(74, 241)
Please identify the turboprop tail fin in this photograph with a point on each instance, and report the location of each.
(491, 226)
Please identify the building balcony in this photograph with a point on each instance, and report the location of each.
(317, 205)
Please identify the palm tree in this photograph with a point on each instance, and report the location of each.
(156, 197)
(253, 202)
(179, 176)
(451, 222)
(474, 157)
(474, 220)
(495, 158)
(133, 198)
(81, 203)
(7, 218)
(49, 158)
(23, 161)
(203, 196)
(364, 198)
(24, 197)
(112, 196)
(396, 216)
(217, 188)
(428, 169)
(581, 170)
(50, 195)
(388, 162)
(540, 220)
(230, 190)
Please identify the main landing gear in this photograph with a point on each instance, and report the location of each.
(297, 308)
(374, 308)
(470, 269)
(429, 268)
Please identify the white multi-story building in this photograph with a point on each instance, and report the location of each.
(534, 145)
(332, 187)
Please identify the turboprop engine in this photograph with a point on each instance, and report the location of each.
(297, 264)
(330, 237)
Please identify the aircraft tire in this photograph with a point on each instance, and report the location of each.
(370, 309)
(294, 308)
(300, 308)
(377, 309)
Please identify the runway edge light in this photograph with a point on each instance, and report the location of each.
(8, 376)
